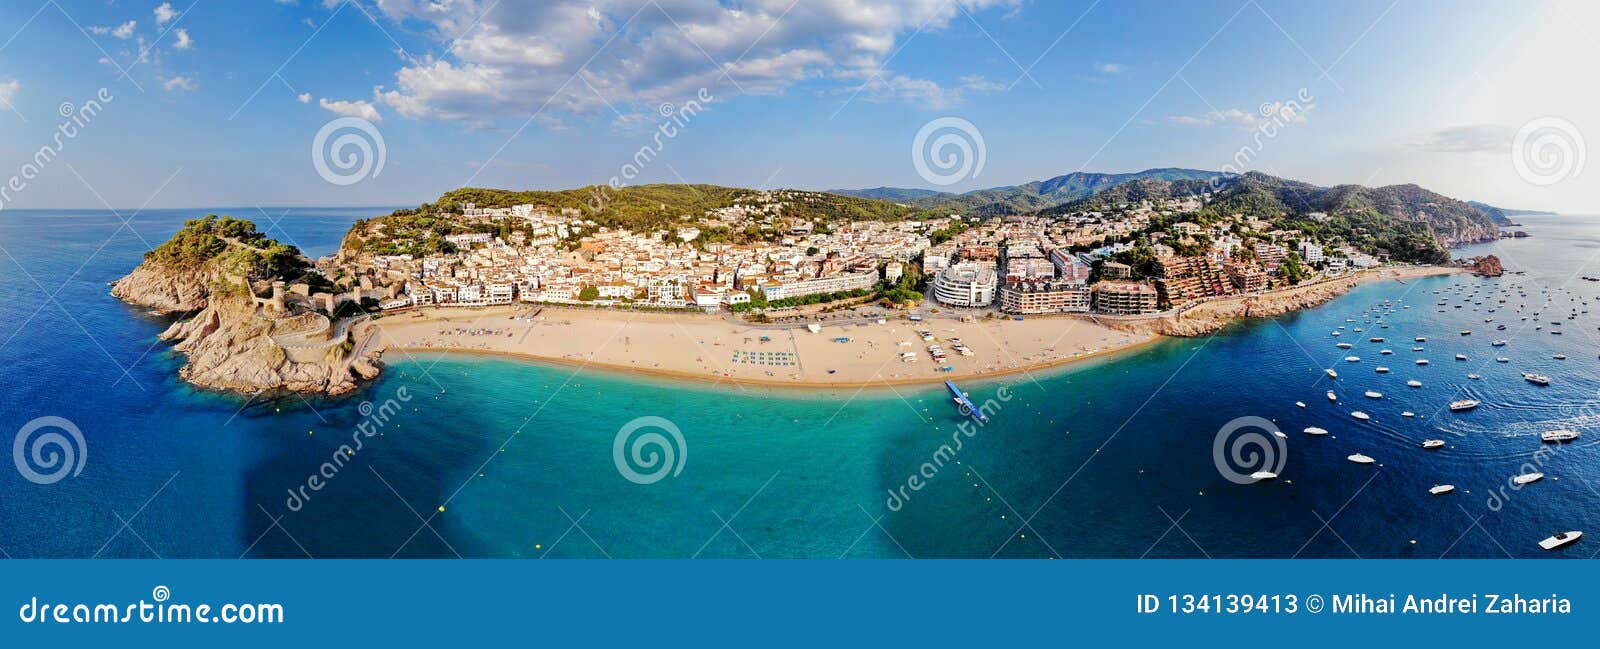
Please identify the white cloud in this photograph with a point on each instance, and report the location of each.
(1470, 138)
(179, 83)
(357, 108)
(183, 42)
(8, 90)
(165, 13)
(123, 31)
(1232, 116)
(304, 97)
(522, 55)
(1108, 68)
(922, 91)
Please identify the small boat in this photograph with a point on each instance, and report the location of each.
(1464, 404)
(1558, 436)
(1382, 370)
(1559, 540)
(1560, 357)
(1527, 478)
(1474, 377)
(1416, 349)
(1313, 430)
(1461, 357)
(1414, 383)
(1332, 396)
(1422, 361)
(1441, 489)
(1408, 413)
(1375, 339)
(1331, 374)
(1433, 444)
(1501, 359)
(1497, 343)
(1352, 359)
(1387, 352)
(1374, 394)
(1302, 404)
(1263, 475)
(1360, 459)
(1466, 332)
(1421, 339)
(1344, 345)
(1360, 415)
(1536, 379)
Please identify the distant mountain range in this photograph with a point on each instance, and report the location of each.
(1500, 214)
(1029, 197)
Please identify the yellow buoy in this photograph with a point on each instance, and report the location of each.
(441, 508)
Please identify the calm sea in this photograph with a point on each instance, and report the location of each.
(1115, 458)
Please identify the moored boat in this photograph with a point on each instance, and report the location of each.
(1557, 436)
(1433, 444)
(1560, 539)
(1360, 459)
(1463, 404)
(1527, 478)
(1441, 489)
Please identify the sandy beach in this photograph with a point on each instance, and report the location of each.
(711, 347)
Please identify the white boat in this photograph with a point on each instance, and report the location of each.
(1263, 475)
(1464, 404)
(1352, 359)
(1360, 459)
(1387, 352)
(1527, 478)
(1461, 357)
(1416, 349)
(1559, 540)
(1313, 430)
(1421, 339)
(1302, 404)
(1498, 343)
(1414, 383)
(1501, 359)
(1332, 396)
(1422, 361)
(1537, 379)
(1441, 489)
(1474, 377)
(1433, 444)
(1331, 374)
(1344, 345)
(1560, 357)
(1360, 415)
(1408, 413)
(1559, 435)
(1374, 394)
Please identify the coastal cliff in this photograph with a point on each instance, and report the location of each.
(208, 275)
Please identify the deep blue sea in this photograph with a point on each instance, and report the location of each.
(1114, 458)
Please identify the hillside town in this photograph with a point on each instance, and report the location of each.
(1128, 259)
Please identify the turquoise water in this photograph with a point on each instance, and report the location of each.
(1091, 461)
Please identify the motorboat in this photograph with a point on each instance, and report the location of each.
(1313, 430)
(1433, 444)
(1422, 361)
(1414, 383)
(1332, 396)
(1361, 459)
(1360, 415)
(1461, 357)
(1560, 539)
(1475, 377)
(1497, 343)
(1352, 359)
(1527, 478)
(1331, 374)
(1408, 413)
(1501, 359)
(1558, 436)
(1536, 379)
(1374, 394)
(1382, 370)
(1344, 345)
(1441, 489)
(1464, 404)
(1301, 404)
(1263, 475)
(1560, 357)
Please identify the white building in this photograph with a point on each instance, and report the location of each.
(966, 284)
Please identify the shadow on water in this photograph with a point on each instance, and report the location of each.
(362, 483)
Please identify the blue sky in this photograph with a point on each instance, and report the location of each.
(218, 103)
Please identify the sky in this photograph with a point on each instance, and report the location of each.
(211, 103)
